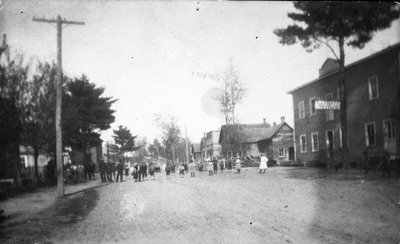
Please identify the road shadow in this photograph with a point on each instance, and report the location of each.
(45, 224)
(71, 210)
(338, 195)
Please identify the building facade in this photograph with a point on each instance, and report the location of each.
(195, 153)
(372, 103)
(252, 140)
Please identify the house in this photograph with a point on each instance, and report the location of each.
(195, 152)
(242, 140)
(210, 146)
(372, 109)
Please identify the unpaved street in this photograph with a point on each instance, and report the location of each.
(285, 205)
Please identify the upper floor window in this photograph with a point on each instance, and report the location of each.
(314, 142)
(370, 138)
(330, 113)
(301, 110)
(373, 89)
(312, 106)
(303, 144)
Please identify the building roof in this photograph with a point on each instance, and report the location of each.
(196, 147)
(397, 45)
(255, 132)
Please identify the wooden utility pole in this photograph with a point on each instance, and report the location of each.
(59, 22)
(187, 147)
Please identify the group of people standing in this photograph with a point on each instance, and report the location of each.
(182, 168)
(140, 171)
(108, 170)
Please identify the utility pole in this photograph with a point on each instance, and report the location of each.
(187, 147)
(59, 22)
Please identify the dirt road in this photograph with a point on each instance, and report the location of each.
(285, 205)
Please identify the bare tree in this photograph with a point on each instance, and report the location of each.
(231, 93)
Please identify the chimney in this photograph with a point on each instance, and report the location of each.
(282, 119)
(274, 123)
(264, 120)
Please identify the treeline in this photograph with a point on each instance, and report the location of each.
(27, 109)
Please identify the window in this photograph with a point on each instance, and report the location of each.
(303, 144)
(340, 138)
(281, 152)
(370, 134)
(329, 112)
(312, 106)
(373, 87)
(301, 110)
(314, 142)
(389, 128)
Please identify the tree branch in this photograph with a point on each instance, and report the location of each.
(329, 46)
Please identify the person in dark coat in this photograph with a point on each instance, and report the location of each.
(215, 165)
(168, 169)
(92, 168)
(221, 165)
(386, 164)
(102, 169)
(108, 168)
(120, 170)
(113, 169)
(135, 172)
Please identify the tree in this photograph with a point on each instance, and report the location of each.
(124, 141)
(156, 149)
(14, 92)
(86, 112)
(170, 135)
(326, 23)
(38, 122)
(230, 93)
(141, 151)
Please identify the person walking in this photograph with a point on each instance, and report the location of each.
(102, 169)
(215, 165)
(209, 166)
(263, 164)
(181, 169)
(151, 170)
(192, 166)
(168, 170)
(109, 172)
(120, 170)
(238, 166)
(221, 165)
(135, 171)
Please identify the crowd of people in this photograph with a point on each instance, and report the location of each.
(111, 171)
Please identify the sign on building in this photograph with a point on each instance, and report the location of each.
(320, 104)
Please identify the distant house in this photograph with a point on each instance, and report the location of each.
(254, 139)
(195, 152)
(372, 108)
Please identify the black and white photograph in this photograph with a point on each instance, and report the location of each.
(173, 121)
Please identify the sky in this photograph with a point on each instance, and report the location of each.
(147, 54)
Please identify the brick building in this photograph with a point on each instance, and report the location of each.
(373, 109)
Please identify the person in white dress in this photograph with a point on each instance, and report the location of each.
(263, 164)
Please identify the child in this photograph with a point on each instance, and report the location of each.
(191, 168)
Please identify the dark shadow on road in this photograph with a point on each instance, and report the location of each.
(48, 222)
(85, 189)
(72, 210)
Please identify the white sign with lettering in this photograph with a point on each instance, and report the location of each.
(327, 105)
